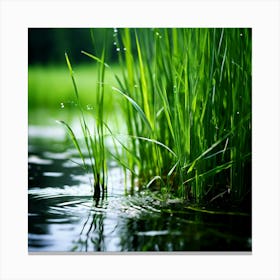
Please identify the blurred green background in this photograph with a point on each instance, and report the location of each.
(50, 89)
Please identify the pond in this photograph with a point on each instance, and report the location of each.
(63, 217)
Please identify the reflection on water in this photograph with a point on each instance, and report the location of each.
(62, 216)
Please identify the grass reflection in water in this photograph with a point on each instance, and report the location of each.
(63, 216)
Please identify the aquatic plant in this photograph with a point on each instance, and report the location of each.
(187, 110)
(194, 90)
(93, 133)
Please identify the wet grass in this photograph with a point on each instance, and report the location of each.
(186, 100)
(194, 90)
(93, 133)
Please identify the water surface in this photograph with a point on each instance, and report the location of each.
(63, 216)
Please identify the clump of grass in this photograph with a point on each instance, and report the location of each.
(193, 87)
(93, 135)
(187, 111)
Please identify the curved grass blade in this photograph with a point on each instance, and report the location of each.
(206, 152)
(154, 179)
(154, 142)
(173, 168)
(74, 139)
(212, 172)
(136, 107)
(146, 139)
(122, 163)
(131, 152)
(96, 58)
(72, 76)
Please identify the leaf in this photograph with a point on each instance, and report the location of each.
(72, 77)
(155, 142)
(143, 82)
(136, 107)
(74, 139)
(172, 169)
(153, 179)
(213, 171)
(95, 58)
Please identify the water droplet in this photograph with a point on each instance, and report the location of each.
(62, 105)
(115, 30)
(135, 86)
(237, 113)
(124, 49)
(241, 34)
(115, 43)
(89, 107)
(117, 49)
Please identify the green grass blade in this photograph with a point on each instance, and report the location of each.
(74, 139)
(153, 180)
(212, 171)
(96, 58)
(72, 77)
(206, 152)
(144, 83)
(136, 107)
(154, 142)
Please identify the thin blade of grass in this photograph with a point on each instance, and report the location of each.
(212, 172)
(74, 139)
(143, 83)
(136, 107)
(154, 179)
(95, 58)
(154, 142)
(72, 76)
